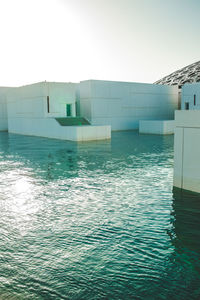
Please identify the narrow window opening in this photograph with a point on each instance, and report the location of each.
(194, 99)
(68, 110)
(187, 105)
(48, 104)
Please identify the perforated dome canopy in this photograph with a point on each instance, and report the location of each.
(188, 74)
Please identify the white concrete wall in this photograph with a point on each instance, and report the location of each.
(31, 100)
(3, 108)
(85, 95)
(187, 150)
(157, 127)
(187, 95)
(61, 94)
(123, 104)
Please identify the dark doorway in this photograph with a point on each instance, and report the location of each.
(187, 105)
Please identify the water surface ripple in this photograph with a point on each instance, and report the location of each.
(95, 220)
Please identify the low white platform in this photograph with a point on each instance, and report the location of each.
(157, 126)
(50, 128)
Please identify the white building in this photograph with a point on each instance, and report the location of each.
(123, 104)
(187, 140)
(190, 98)
(187, 150)
(3, 109)
(48, 109)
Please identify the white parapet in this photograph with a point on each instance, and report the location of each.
(157, 126)
(187, 150)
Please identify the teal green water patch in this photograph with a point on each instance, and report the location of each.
(96, 220)
(72, 121)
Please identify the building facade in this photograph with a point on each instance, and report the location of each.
(190, 96)
(187, 140)
(186, 150)
(123, 104)
(48, 109)
(86, 110)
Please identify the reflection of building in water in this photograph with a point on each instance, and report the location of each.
(60, 163)
(186, 216)
(47, 158)
(54, 159)
(4, 142)
(181, 277)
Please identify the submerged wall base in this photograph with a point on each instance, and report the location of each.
(157, 126)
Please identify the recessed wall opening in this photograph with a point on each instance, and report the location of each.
(187, 106)
(48, 104)
(194, 99)
(68, 110)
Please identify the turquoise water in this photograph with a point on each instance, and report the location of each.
(95, 220)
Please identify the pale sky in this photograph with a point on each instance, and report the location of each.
(73, 40)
